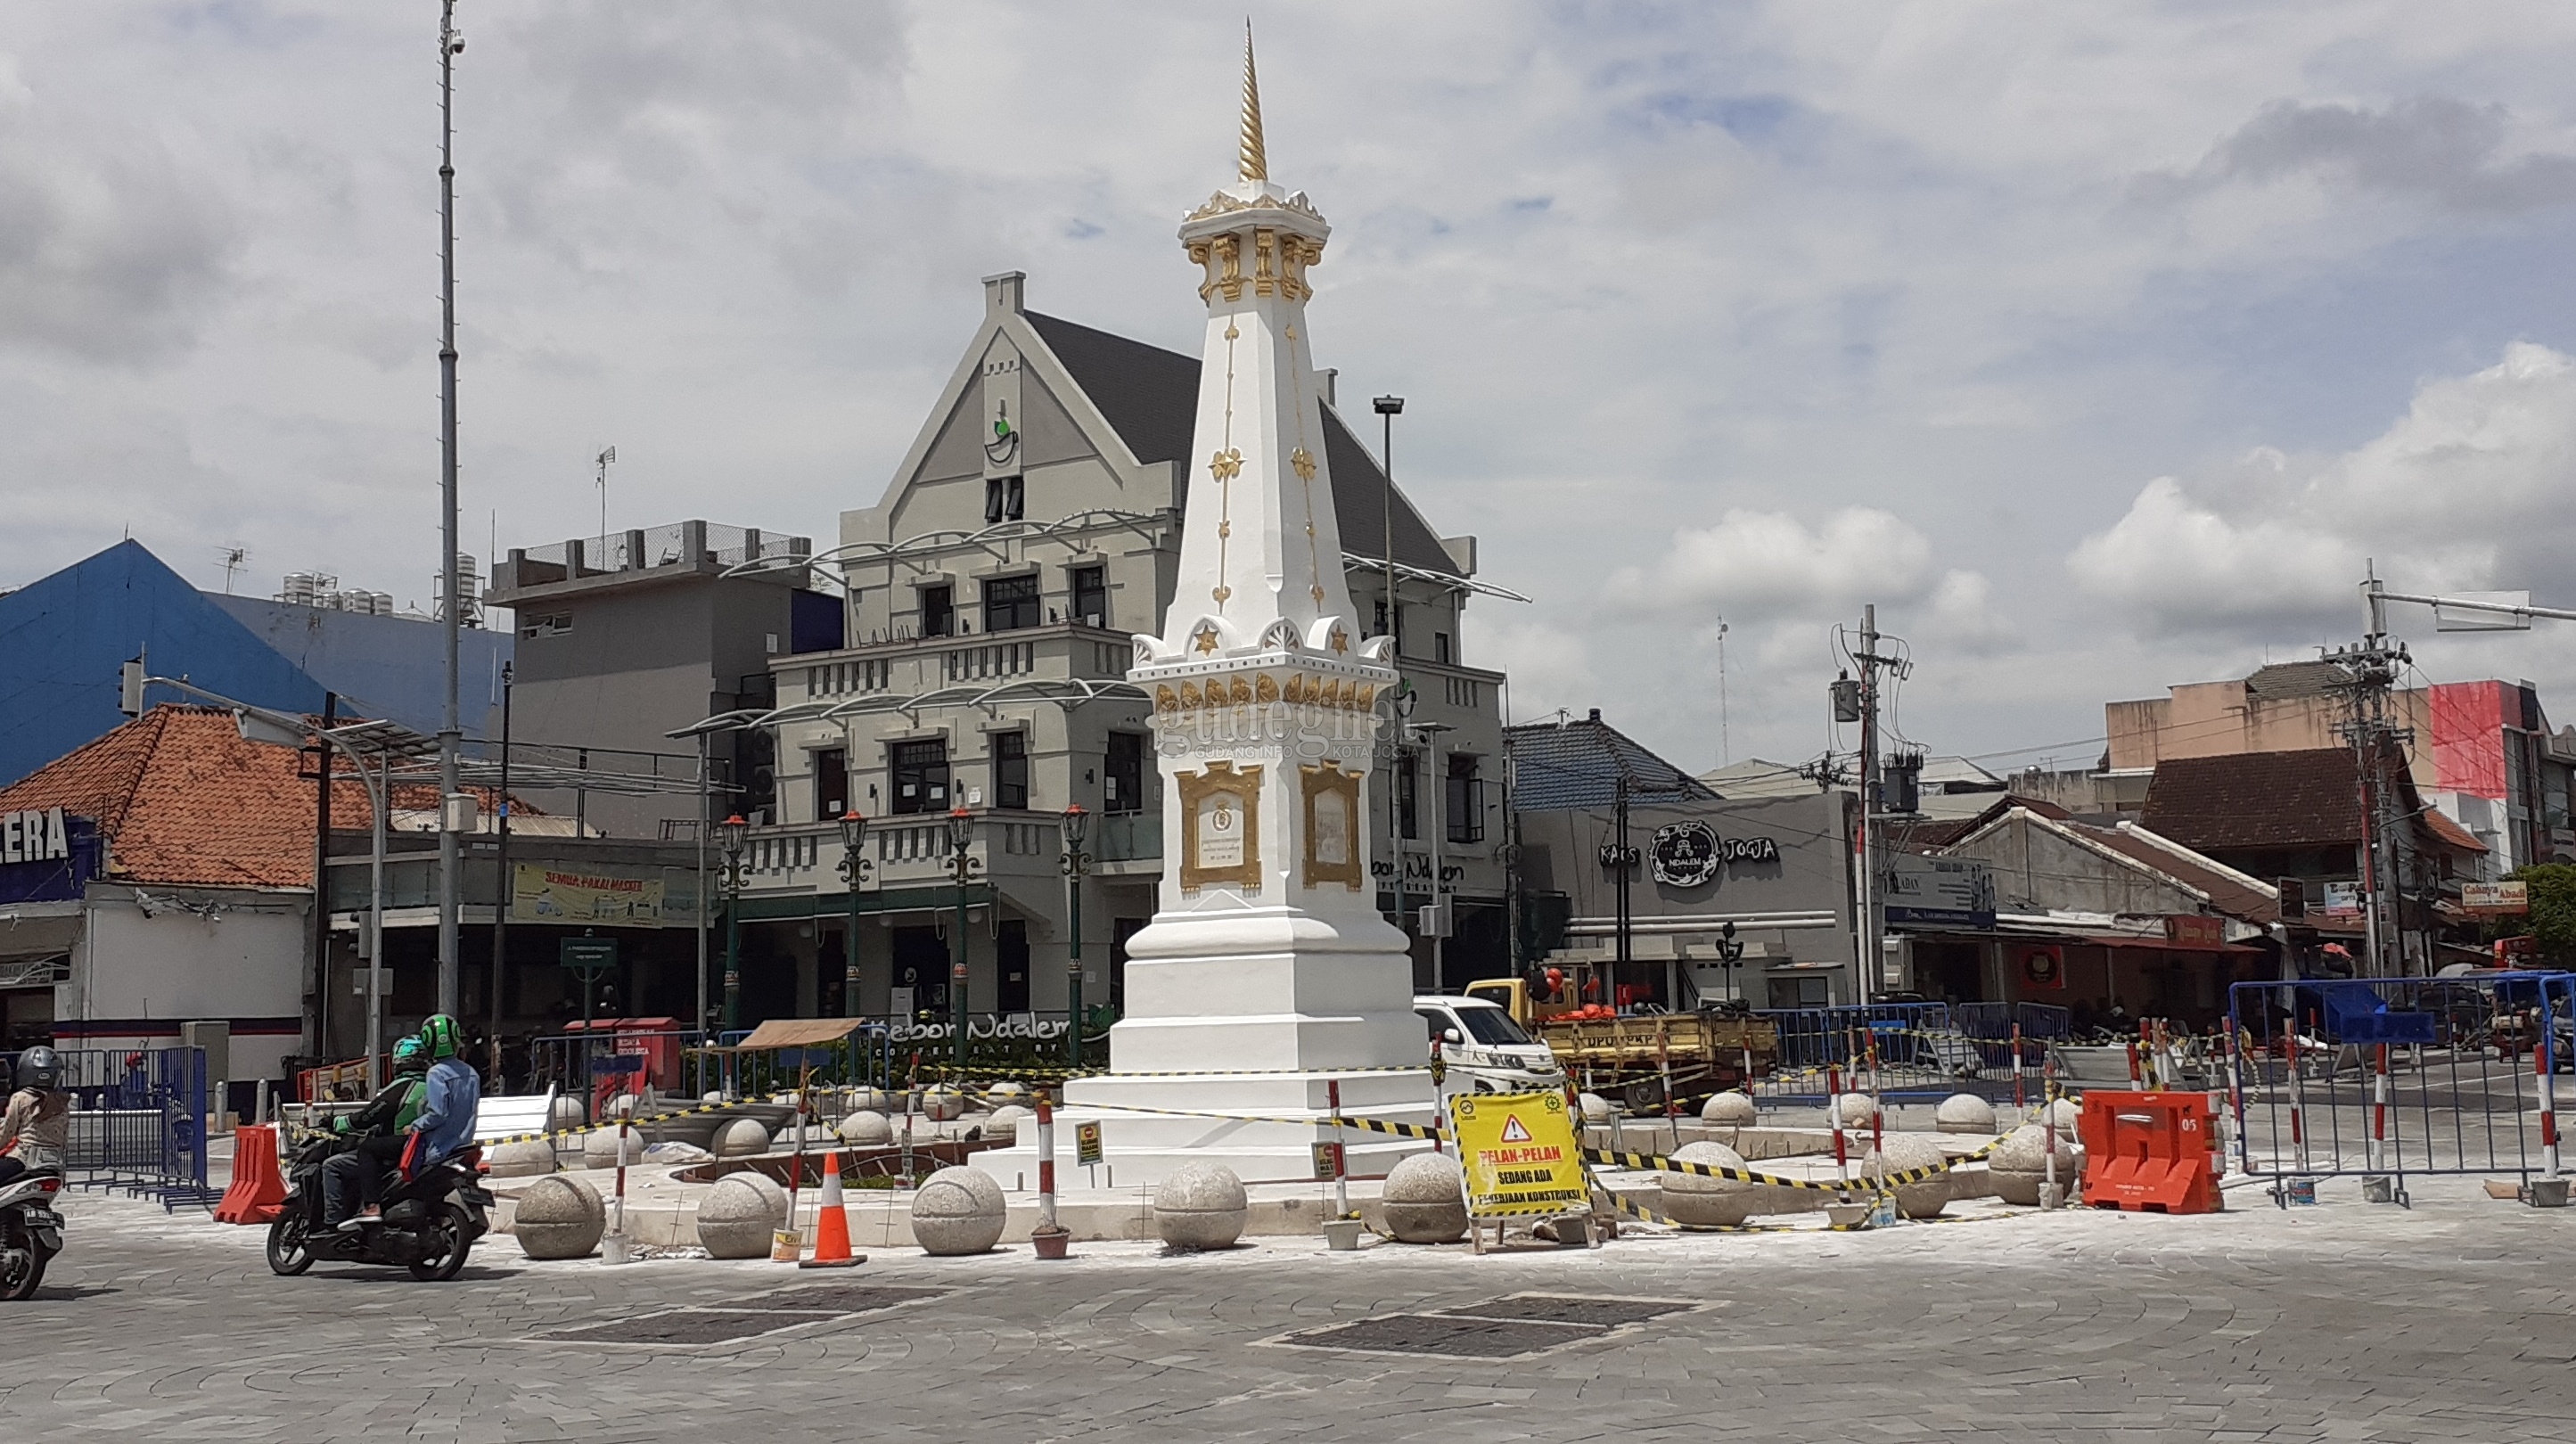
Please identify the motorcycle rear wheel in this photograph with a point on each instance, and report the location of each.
(290, 1245)
(448, 1230)
(20, 1277)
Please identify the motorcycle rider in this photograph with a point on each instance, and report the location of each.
(450, 1095)
(353, 1183)
(37, 1126)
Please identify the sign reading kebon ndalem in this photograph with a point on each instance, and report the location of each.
(1521, 1154)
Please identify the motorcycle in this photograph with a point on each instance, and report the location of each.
(430, 1221)
(31, 1233)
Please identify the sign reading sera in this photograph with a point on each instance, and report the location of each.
(45, 856)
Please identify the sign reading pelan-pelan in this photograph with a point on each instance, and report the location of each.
(1521, 1154)
(540, 893)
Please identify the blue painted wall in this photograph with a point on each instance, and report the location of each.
(63, 639)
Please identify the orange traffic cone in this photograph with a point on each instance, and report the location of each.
(832, 1223)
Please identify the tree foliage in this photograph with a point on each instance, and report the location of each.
(2552, 887)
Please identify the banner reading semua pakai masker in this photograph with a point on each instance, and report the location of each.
(544, 893)
(1520, 1153)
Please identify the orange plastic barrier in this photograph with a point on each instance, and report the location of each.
(258, 1192)
(2149, 1152)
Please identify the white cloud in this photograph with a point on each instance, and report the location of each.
(2468, 489)
(1766, 564)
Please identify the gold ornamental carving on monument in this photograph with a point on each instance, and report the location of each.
(1221, 827)
(1331, 803)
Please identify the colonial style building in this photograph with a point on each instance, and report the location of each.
(1031, 531)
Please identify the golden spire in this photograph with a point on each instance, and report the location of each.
(1250, 164)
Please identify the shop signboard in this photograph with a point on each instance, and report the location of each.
(1939, 892)
(46, 855)
(2495, 899)
(551, 893)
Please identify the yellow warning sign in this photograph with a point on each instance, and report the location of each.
(1521, 1154)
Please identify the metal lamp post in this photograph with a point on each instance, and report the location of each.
(961, 836)
(1730, 951)
(737, 836)
(1077, 826)
(854, 870)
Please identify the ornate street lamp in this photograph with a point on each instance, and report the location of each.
(961, 836)
(736, 836)
(1077, 826)
(854, 870)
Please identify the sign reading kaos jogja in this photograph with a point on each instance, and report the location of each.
(1521, 1154)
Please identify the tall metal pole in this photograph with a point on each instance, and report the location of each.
(1873, 959)
(1388, 408)
(376, 804)
(1619, 966)
(961, 837)
(322, 885)
(503, 889)
(706, 821)
(450, 727)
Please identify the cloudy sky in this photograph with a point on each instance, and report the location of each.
(2101, 346)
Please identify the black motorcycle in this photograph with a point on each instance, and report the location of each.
(31, 1233)
(429, 1226)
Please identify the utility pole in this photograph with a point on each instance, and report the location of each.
(508, 889)
(1870, 962)
(2370, 670)
(451, 733)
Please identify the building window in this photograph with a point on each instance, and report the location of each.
(557, 624)
(1408, 803)
(1440, 647)
(920, 775)
(1464, 806)
(1010, 603)
(1010, 769)
(938, 611)
(831, 783)
(1091, 596)
(1004, 499)
(1122, 785)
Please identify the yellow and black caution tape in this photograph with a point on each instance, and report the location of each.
(690, 1112)
(950, 1070)
(1365, 1125)
(1659, 1163)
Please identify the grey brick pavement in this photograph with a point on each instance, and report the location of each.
(2340, 1323)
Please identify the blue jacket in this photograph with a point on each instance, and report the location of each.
(446, 1121)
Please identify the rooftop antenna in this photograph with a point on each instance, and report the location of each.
(605, 457)
(234, 556)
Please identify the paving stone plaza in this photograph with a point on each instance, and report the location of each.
(2346, 1321)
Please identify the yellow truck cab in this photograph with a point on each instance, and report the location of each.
(1486, 1052)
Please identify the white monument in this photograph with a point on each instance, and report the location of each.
(1267, 974)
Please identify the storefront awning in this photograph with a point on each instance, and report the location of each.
(2156, 945)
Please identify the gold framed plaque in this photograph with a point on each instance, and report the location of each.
(1332, 830)
(1221, 827)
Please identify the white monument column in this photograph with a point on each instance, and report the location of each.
(1267, 973)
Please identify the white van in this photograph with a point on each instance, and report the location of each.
(1486, 1051)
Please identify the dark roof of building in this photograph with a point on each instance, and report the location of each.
(2279, 681)
(1559, 766)
(2226, 892)
(1150, 397)
(2305, 798)
(1934, 834)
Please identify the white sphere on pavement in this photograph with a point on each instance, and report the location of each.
(1730, 1110)
(1964, 1113)
(1202, 1205)
(1425, 1199)
(958, 1210)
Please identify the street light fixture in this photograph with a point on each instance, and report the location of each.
(854, 870)
(736, 837)
(961, 836)
(1077, 827)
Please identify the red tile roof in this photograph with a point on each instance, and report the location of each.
(2256, 799)
(2451, 833)
(181, 798)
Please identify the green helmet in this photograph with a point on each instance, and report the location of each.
(411, 1055)
(441, 1036)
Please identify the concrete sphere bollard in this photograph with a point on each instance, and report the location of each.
(958, 1210)
(1854, 1109)
(564, 1112)
(523, 1160)
(1903, 1153)
(1005, 1089)
(1202, 1205)
(1964, 1113)
(1006, 1121)
(2069, 1113)
(1425, 1198)
(740, 1138)
(559, 1217)
(1596, 1109)
(2018, 1167)
(739, 1216)
(1694, 1198)
(599, 1147)
(869, 1100)
(866, 1130)
(712, 1095)
(941, 1105)
(1730, 1110)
